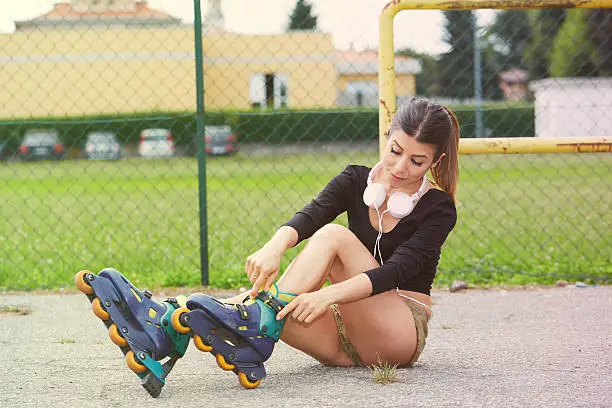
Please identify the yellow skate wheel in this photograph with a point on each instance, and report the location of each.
(84, 286)
(176, 322)
(223, 364)
(98, 310)
(200, 345)
(134, 365)
(116, 337)
(246, 383)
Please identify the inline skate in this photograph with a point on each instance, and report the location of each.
(240, 336)
(139, 325)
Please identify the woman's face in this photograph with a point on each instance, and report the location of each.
(405, 161)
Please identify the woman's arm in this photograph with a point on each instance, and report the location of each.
(309, 306)
(406, 261)
(332, 201)
(285, 237)
(409, 258)
(262, 266)
(353, 289)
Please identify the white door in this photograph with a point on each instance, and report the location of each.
(257, 90)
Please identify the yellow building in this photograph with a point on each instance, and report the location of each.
(102, 57)
(358, 77)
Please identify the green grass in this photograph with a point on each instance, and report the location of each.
(383, 372)
(66, 341)
(522, 218)
(14, 310)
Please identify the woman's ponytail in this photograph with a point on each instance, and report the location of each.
(446, 172)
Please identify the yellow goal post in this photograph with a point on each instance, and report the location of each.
(386, 78)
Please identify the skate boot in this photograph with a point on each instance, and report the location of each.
(140, 326)
(240, 336)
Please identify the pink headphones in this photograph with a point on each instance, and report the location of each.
(399, 205)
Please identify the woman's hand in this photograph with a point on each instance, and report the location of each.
(307, 307)
(262, 268)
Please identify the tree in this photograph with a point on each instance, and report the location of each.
(574, 53)
(600, 27)
(457, 65)
(545, 24)
(509, 34)
(492, 64)
(302, 18)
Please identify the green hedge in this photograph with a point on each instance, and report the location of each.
(498, 121)
(307, 126)
(264, 127)
(284, 127)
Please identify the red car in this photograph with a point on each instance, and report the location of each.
(220, 140)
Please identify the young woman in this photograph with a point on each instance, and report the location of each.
(381, 270)
(378, 303)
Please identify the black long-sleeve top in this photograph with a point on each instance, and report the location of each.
(410, 251)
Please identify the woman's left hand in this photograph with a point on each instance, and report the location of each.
(307, 307)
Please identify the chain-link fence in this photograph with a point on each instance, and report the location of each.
(101, 151)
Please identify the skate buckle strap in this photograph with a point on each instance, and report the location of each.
(244, 312)
(270, 301)
(173, 301)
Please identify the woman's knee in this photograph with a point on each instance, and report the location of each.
(331, 234)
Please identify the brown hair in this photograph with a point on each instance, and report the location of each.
(437, 125)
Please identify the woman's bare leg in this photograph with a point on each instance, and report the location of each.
(311, 267)
(379, 327)
(236, 299)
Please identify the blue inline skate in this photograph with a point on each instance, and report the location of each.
(240, 336)
(140, 326)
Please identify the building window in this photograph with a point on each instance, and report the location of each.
(269, 91)
(359, 97)
(362, 93)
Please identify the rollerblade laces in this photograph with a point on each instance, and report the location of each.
(140, 326)
(240, 336)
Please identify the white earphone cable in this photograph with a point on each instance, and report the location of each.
(380, 233)
(416, 197)
(378, 236)
(377, 249)
(416, 301)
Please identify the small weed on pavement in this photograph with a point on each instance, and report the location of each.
(383, 372)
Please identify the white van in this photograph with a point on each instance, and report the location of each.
(156, 143)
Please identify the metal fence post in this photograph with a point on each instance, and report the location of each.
(477, 79)
(200, 142)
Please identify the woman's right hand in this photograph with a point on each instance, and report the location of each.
(262, 267)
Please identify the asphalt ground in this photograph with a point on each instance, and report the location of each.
(543, 347)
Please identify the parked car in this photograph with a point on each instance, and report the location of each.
(102, 145)
(220, 140)
(156, 143)
(41, 144)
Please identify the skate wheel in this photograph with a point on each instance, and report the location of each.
(98, 310)
(200, 345)
(116, 337)
(246, 383)
(223, 364)
(133, 364)
(82, 284)
(176, 322)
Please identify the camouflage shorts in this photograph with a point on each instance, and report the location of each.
(420, 322)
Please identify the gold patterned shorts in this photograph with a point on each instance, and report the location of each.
(420, 322)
